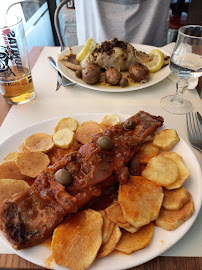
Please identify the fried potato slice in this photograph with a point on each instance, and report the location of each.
(166, 139)
(183, 171)
(147, 151)
(110, 120)
(111, 244)
(86, 130)
(170, 220)
(67, 122)
(76, 241)
(131, 242)
(11, 156)
(107, 228)
(175, 199)
(64, 138)
(10, 170)
(39, 142)
(140, 201)
(9, 187)
(161, 170)
(32, 163)
(23, 149)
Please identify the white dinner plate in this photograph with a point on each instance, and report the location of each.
(154, 77)
(162, 239)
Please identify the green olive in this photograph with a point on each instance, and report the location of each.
(105, 142)
(78, 73)
(63, 177)
(129, 124)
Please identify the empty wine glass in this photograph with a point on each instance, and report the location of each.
(185, 62)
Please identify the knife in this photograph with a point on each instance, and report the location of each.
(199, 118)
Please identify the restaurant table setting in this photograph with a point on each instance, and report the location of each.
(75, 100)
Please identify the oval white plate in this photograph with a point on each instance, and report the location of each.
(155, 77)
(162, 239)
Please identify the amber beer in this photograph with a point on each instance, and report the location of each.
(16, 83)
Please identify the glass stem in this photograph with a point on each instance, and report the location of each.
(181, 86)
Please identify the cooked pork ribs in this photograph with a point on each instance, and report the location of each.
(28, 218)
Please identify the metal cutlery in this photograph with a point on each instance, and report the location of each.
(199, 118)
(194, 130)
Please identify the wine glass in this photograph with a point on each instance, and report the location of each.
(185, 62)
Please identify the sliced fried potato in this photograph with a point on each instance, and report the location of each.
(110, 120)
(10, 170)
(131, 242)
(171, 220)
(166, 139)
(76, 241)
(39, 142)
(175, 199)
(111, 244)
(147, 151)
(161, 170)
(107, 228)
(67, 122)
(140, 201)
(9, 187)
(32, 163)
(183, 171)
(23, 149)
(86, 130)
(64, 138)
(11, 156)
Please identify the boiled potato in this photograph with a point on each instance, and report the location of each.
(86, 130)
(64, 138)
(67, 122)
(39, 142)
(166, 139)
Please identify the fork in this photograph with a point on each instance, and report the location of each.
(194, 130)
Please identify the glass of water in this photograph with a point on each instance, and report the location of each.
(185, 62)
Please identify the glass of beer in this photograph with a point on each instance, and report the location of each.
(16, 83)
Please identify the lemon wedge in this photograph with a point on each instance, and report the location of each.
(90, 45)
(157, 60)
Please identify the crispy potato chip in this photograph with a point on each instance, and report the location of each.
(110, 120)
(140, 201)
(147, 151)
(10, 170)
(9, 187)
(76, 241)
(166, 139)
(107, 228)
(39, 142)
(86, 130)
(184, 172)
(11, 156)
(175, 199)
(131, 242)
(171, 220)
(23, 149)
(32, 163)
(67, 122)
(161, 170)
(111, 244)
(64, 138)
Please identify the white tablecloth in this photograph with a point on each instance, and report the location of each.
(74, 99)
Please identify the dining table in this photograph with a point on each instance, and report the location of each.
(48, 104)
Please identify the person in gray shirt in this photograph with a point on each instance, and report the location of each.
(133, 21)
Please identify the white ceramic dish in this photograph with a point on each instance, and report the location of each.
(155, 77)
(162, 239)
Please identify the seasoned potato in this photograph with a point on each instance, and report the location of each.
(10, 170)
(64, 138)
(166, 139)
(183, 171)
(9, 187)
(147, 151)
(107, 228)
(23, 149)
(161, 170)
(110, 120)
(76, 247)
(11, 156)
(86, 130)
(32, 163)
(131, 242)
(39, 142)
(175, 199)
(170, 220)
(67, 122)
(111, 244)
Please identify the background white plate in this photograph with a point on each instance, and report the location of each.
(162, 239)
(155, 77)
